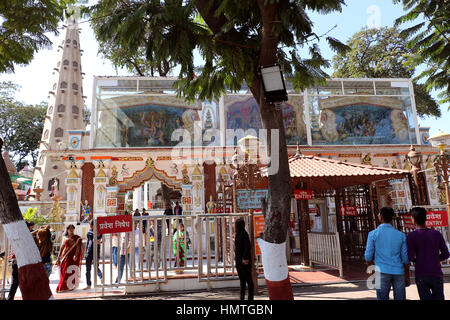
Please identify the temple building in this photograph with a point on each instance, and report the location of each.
(148, 148)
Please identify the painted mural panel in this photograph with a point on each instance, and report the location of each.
(242, 112)
(362, 120)
(131, 121)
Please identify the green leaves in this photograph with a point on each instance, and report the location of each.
(21, 125)
(24, 28)
(383, 53)
(429, 42)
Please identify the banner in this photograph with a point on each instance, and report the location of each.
(434, 219)
(250, 199)
(114, 224)
(259, 225)
(348, 211)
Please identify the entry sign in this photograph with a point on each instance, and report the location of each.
(303, 194)
(434, 219)
(114, 224)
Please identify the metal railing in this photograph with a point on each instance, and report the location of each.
(325, 249)
(153, 256)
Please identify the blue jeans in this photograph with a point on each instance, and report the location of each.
(122, 264)
(48, 266)
(397, 281)
(114, 256)
(430, 288)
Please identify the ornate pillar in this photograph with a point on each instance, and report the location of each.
(101, 170)
(112, 200)
(198, 193)
(73, 187)
(186, 192)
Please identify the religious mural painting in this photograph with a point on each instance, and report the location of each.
(361, 120)
(242, 112)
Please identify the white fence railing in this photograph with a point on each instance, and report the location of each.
(325, 249)
(151, 255)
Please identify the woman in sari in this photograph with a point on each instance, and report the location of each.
(69, 261)
(179, 248)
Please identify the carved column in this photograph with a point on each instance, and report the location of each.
(73, 187)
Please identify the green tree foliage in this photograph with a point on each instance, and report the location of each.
(382, 53)
(21, 126)
(227, 35)
(32, 215)
(429, 41)
(218, 45)
(23, 28)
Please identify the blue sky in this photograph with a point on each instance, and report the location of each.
(36, 79)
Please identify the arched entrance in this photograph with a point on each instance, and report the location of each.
(149, 172)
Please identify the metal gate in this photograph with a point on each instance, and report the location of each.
(150, 255)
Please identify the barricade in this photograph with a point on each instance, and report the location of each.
(325, 249)
(155, 249)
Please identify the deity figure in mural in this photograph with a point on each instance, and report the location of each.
(367, 159)
(399, 124)
(86, 211)
(125, 172)
(113, 179)
(100, 197)
(184, 172)
(328, 125)
(210, 205)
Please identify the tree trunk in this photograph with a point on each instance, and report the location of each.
(277, 211)
(33, 281)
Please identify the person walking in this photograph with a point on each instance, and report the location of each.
(45, 246)
(168, 212)
(242, 257)
(89, 257)
(115, 248)
(69, 261)
(124, 253)
(387, 248)
(426, 249)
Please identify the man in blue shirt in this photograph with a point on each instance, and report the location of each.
(387, 247)
(90, 244)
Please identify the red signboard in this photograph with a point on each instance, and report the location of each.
(303, 194)
(348, 211)
(259, 225)
(434, 219)
(114, 224)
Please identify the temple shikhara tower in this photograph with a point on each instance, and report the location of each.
(64, 125)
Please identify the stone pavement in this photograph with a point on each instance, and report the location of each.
(336, 292)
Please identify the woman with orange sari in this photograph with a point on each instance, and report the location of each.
(69, 261)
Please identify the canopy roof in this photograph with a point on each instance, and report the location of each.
(323, 174)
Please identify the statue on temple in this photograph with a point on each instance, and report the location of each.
(210, 205)
(86, 211)
(54, 189)
(56, 212)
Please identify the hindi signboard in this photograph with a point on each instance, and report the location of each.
(250, 199)
(303, 194)
(348, 211)
(259, 225)
(114, 224)
(436, 218)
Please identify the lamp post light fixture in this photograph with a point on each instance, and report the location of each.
(414, 158)
(273, 83)
(442, 140)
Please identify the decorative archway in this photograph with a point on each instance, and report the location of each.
(149, 172)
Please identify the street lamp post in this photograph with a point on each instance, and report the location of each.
(441, 140)
(415, 158)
